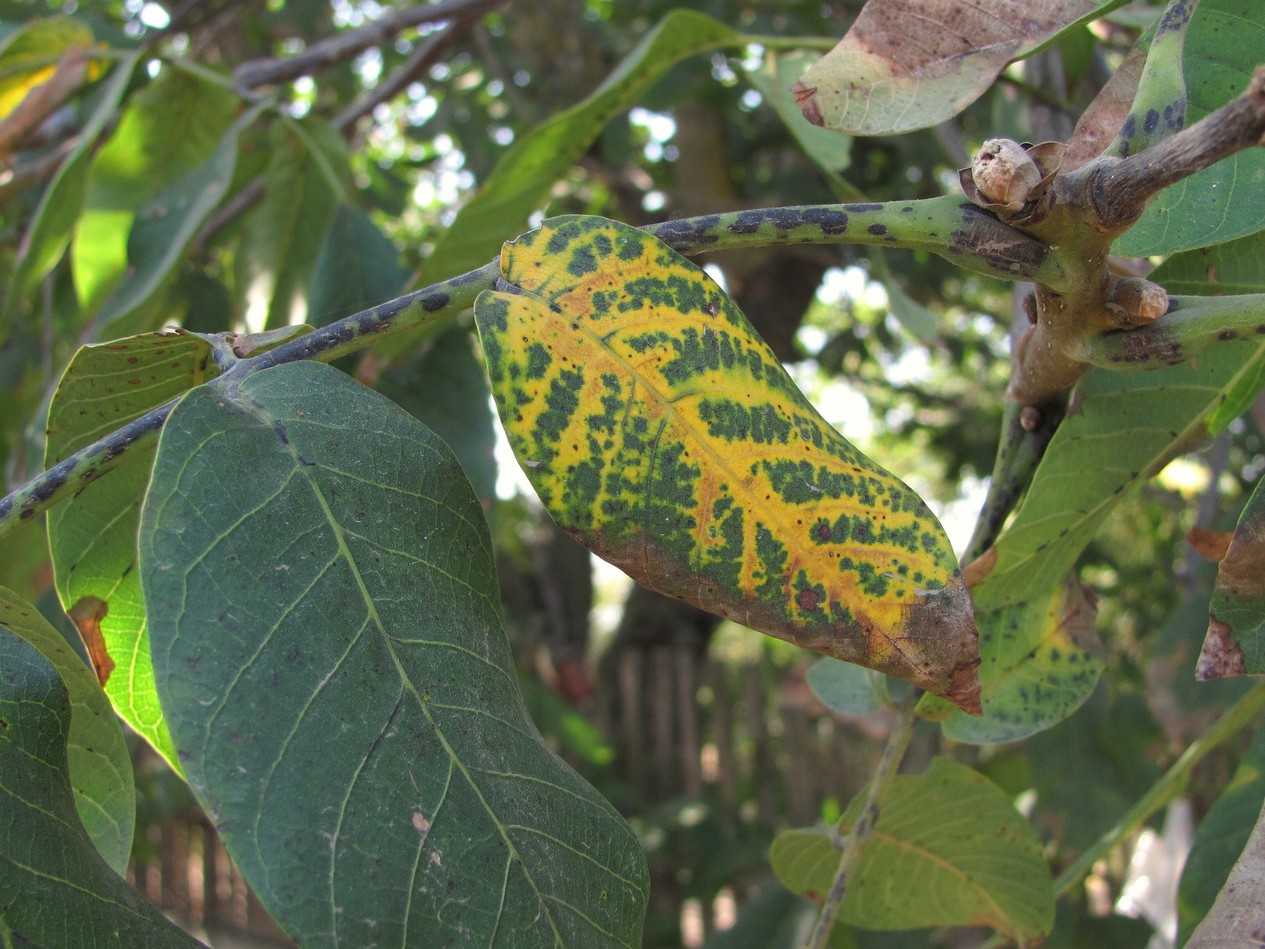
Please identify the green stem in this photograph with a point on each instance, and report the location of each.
(427, 306)
(1167, 788)
(1019, 451)
(948, 226)
(1161, 87)
(1191, 325)
(863, 828)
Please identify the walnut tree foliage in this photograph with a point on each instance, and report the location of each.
(271, 270)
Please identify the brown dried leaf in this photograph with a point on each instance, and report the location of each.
(910, 64)
(87, 614)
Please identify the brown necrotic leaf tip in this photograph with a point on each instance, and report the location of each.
(87, 614)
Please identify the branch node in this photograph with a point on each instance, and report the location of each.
(1133, 301)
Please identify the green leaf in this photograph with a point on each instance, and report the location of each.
(1230, 268)
(906, 64)
(58, 890)
(520, 183)
(663, 433)
(1121, 429)
(305, 182)
(92, 535)
(948, 849)
(1039, 661)
(163, 229)
(848, 688)
(60, 204)
(1220, 839)
(100, 766)
(169, 129)
(330, 656)
(445, 388)
(1235, 642)
(829, 149)
(357, 267)
(1223, 46)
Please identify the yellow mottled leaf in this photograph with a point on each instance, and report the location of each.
(29, 56)
(660, 430)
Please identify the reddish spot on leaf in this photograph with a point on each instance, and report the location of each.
(807, 600)
(87, 614)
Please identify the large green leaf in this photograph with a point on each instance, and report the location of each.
(520, 183)
(92, 535)
(329, 653)
(910, 64)
(55, 888)
(1223, 47)
(100, 766)
(1039, 661)
(659, 429)
(1121, 429)
(948, 849)
(167, 130)
(1220, 838)
(305, 182)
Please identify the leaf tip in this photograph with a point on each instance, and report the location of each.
(806, 99)
(87, 614)
(1221, 657)
(943, 624)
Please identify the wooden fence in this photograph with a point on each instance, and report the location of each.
(747, 748)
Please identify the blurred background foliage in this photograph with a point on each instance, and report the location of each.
(353, 173)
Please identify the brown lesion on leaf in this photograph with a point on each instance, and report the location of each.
(1242, 573)
(1221, 656)
(87, 614)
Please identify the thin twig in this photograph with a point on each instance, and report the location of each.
(319, 56)
(863, 829)
(424, 54)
